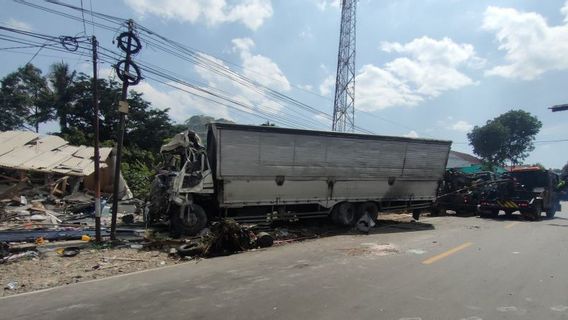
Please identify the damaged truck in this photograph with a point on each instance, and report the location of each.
(262, 174)
(529, 190)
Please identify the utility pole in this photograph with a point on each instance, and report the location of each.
(97, 153)
(344, 102)
(127, 79)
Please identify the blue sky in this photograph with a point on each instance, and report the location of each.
(432, 68)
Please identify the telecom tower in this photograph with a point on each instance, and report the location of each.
(344, 103)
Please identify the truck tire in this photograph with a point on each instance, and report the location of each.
(537, 211)
(188, 220)
(369, 208)
(509, 213)
(437, 211)
(492, 213)
(416, 214)
(344, 214)
(191, 249)
(551, 212)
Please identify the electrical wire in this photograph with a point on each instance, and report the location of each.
(197, 57)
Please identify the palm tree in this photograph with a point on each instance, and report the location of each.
(61, 80)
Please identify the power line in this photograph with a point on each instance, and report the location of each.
(83, 17)
(198, 58)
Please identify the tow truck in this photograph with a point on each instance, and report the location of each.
(529, 190)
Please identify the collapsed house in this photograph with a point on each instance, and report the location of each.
(27, 157)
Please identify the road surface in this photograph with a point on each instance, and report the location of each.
(442, 268)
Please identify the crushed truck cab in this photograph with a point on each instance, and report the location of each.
(261, 174)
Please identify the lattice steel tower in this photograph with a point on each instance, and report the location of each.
(344, 103)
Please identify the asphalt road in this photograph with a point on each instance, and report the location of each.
(442, 268)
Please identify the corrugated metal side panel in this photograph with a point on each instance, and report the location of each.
(425, 161)
(243, 192)
(268, 154)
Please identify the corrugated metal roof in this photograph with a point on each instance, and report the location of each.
(24, 150)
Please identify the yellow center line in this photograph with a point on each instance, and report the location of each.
(447, 253)
(512, 224)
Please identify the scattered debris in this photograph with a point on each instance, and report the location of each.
(70, 251)
(19, 256)
(416, 251)
(51, 269)
(11, 285)
(264, 240)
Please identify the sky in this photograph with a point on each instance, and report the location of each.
(428, 69)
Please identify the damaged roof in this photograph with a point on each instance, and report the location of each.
(24, 150)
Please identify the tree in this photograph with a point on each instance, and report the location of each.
(198, 124)
(25, 99)
(564, 173)
(146, 127)
(508, 137)
(62, 80)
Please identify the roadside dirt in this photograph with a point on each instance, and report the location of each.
(53, 270)
(50, 269)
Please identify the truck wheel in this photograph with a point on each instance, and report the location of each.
(369, 208)
(489, 213)
(344, 214)
(437, 211)
(416, 214)
(537, 211)
(551, 211)
(188, 220)
(509, 213)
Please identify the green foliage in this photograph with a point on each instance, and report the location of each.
(25, 99)
(138, 169)
(509, 137)
(62, 95)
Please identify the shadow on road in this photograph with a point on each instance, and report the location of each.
(317, 228)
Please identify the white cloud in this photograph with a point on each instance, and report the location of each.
(327, 85)
(306, 33)
(307, 87)
(324, 4)
(532, 46)
(438, 52)
(379, 89)
(18, 24)
(182, 105)
(251, 13)
(461, 126)
(411, 134)
(430, 68)
(260, 68)
(256, 67)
